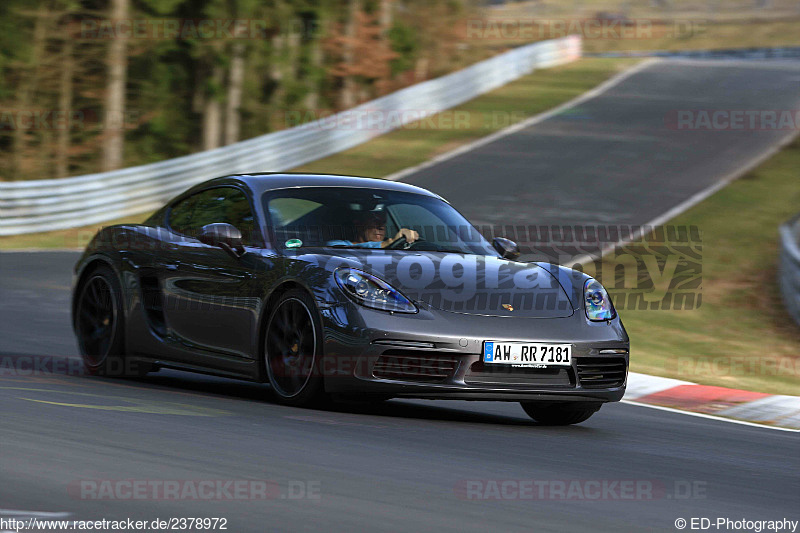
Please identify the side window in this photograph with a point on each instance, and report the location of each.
(240, 215)
(210, 208)
(307, 220)
(284, 211)
(221, 204)
(180, 215)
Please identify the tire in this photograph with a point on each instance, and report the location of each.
(100, 326)
(560, 414)
(293, 351)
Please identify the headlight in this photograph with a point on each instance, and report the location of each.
(370, 291)
(597, 303)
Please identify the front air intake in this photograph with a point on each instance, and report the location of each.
(415, 365)
(601, 372)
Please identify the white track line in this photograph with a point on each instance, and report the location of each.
(791, 64)
(695, 199)
(711, 417)
(530, 121)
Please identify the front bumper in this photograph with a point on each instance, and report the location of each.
(437, 355)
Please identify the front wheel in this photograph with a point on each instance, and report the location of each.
(100, 326)
(560, 413)
(293, 350)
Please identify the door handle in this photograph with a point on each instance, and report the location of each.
(171, 265)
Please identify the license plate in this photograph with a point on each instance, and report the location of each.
(527, 354)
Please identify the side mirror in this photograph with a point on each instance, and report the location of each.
(223, 236)
(507, 248)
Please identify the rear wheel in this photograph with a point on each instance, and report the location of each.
(293, 349)
(100, 325)
(561, 413)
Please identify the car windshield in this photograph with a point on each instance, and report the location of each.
(348, 217)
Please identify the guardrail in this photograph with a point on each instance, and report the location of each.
(789, 270)
(52, 204)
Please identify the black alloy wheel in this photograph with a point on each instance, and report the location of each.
(292, 349)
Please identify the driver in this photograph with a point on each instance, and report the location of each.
(371, 231)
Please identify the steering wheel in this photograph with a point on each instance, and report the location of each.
(402, 243)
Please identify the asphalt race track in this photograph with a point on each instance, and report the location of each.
(398, 466)
(626, 156)
(425, 466)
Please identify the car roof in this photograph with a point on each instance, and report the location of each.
(268, 181)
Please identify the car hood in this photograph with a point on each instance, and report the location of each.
(462, 283)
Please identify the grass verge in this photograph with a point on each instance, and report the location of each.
(673, 25)
(707, 36)
(741, 336)
(416, 143)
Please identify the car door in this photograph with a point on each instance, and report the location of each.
(211, 298)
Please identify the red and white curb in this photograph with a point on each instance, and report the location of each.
(777, 411)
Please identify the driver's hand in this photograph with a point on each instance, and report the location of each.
(409, 234)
